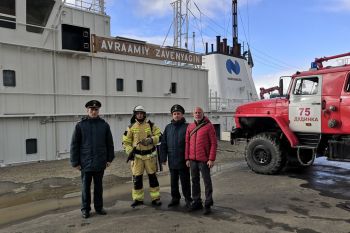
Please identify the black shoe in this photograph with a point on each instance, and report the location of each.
(101, 212)
(196, 206)
(207, 210)
(85, 214)
(156, 202)
(136, 203)
(174, 203)
(347, 206)
(188, 205)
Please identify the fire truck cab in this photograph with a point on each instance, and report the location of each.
(311, 120)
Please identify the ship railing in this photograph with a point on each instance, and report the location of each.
(217, 104)
(96, 6)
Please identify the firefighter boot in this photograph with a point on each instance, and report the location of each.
(136, 203)
(156, 202)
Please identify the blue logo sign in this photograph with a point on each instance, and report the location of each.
(233, 67)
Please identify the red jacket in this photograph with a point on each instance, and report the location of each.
(201, 146)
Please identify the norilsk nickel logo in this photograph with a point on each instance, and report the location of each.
(233, 67)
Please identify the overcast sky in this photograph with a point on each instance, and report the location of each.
(284, 35)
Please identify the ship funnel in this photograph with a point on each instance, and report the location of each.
(224, 51)
(218, 44)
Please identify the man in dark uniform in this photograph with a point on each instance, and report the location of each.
(173, 151)
(91, 151)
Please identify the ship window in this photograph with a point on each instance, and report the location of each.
(306, 86)
(4, 22)
(347, 87)
(38, 12)
(8, 7)
(139, 85)
(31, 146)
(120, 84)
(8, 13)
(75, 38)
(85, 82)
(173, 88)
(9, 78)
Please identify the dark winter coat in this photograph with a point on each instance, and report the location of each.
(92, 145)
(172, 147)
(201, 146)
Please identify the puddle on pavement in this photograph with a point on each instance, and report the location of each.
(331, 179)
(46, 189)
(53, 194)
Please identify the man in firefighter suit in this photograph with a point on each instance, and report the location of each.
(139, 142)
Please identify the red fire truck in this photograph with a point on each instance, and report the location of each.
(312, 119)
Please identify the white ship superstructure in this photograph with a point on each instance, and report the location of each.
(230, 83)
(50, 67)
(56, 56)
(230, 77)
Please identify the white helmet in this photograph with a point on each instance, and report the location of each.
(139, 108)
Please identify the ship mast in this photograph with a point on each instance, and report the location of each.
(234, 23)
(236, 46)
(178, 21)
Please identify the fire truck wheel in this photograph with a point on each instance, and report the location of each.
(263, 154)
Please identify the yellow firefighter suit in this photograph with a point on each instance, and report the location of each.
(145, 157)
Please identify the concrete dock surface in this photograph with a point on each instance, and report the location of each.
(45, 197)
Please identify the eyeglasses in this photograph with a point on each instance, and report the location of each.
(94, 109)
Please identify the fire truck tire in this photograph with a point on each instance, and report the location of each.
(263, 154)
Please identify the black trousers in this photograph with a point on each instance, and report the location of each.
(184, 175)
(86, 179)
(198, 167)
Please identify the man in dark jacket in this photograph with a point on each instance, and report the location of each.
(91, 151)
(173, 150)
(200, 154)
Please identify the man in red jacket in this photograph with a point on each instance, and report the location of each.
(200, 154)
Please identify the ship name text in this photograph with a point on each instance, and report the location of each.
(135, 48)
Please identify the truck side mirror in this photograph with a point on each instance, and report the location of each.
(281, 87)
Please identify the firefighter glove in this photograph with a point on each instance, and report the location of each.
(147, 141)
(131, 156)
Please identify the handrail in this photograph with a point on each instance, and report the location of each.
(97, 6)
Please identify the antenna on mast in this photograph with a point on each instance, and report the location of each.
(178, 21)
(194, 41)
(236, 45)
(234, 22)
(102, 6)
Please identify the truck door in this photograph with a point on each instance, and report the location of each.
(305, 104)
(345, 107)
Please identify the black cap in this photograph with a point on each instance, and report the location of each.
(177, 108)
(93, 104)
